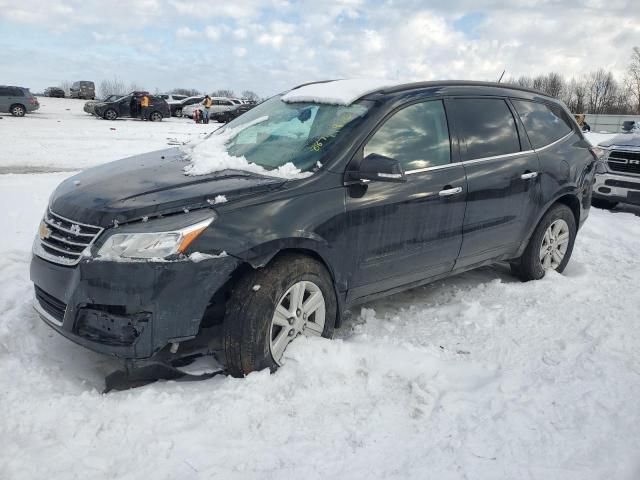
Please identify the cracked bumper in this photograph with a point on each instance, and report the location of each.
(128, 310)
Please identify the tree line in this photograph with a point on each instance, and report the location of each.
(595, 92)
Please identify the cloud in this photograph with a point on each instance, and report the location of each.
(268, 45)
(239, 51)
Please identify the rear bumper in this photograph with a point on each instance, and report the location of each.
(129, 310)
(617, 188)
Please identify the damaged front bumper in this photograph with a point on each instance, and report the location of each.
(130, 310)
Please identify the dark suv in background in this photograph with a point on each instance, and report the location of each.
(83, 89)
(396, 187)
(17, 101)
(121, 107)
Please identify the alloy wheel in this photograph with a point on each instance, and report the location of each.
(18, 111)
(300, 311)
(155, 117)
(554, 245)
(110, 115)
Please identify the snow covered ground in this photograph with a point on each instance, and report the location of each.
(60, 136)
(475, 377)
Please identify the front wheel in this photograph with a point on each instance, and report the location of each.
(110, 114)
(269, 308)
(155, 116)
(550, 246)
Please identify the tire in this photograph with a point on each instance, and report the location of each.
(155, 116)
(110, 114)
(532, 265)
(178, 112)
(252, 333)
(18, 110)
(603, 204)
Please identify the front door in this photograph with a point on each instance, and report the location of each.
(401, 233)
(502, 178)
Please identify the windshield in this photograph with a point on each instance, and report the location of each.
(276, 133)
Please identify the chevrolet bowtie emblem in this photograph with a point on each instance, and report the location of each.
(43, 231)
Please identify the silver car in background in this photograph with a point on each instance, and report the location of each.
(17, 101)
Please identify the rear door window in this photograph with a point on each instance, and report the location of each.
(544, 123)
(485, 126)
(416, 136)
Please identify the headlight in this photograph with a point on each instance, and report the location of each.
(599, 152)
(145, 245)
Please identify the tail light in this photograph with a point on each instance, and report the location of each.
(33, 101)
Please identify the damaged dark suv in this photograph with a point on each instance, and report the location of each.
(330, 195)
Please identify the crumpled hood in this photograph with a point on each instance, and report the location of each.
(622, 140)
(148, 185)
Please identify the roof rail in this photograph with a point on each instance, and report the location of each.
(456, 83)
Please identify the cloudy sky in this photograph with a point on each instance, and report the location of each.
(269, 45)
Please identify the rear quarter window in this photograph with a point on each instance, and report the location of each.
(544, 123)
(486, 127)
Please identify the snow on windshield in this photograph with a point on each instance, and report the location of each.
(211, 155)
(338, 92)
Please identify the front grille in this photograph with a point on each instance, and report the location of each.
(63, 241)
(50, 304)
(626, 162)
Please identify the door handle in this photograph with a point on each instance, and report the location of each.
(447, 192)
(528, 175)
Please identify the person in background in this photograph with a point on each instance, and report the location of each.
(144, 107)
(206, 103)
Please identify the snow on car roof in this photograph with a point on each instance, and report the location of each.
(338, 92)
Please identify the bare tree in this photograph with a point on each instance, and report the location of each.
(632, 80)
(189, 92)
(573, 95)
(554, 85)
(223, 93)
(601, 93)
(115, 86)
(66, 86)
(134, 87)
(250, 95)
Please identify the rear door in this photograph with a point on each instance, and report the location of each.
(502, 177)
(405, 232)
(5, 99)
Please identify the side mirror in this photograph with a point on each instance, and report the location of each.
(379, 168)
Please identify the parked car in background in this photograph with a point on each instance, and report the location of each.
(174, 101)
(220, 105)
(618, 171)
(121, 107)
(178, 110)
(389, 188)
(17, 101)
(83, 89)
(54, 92)
(229, 115)
(88, 106)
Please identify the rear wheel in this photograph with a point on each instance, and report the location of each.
(110, 114)
(269, 308)
(155, 116)
(550, 246)
(18, 110)
(604, 204)
(178, 112)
